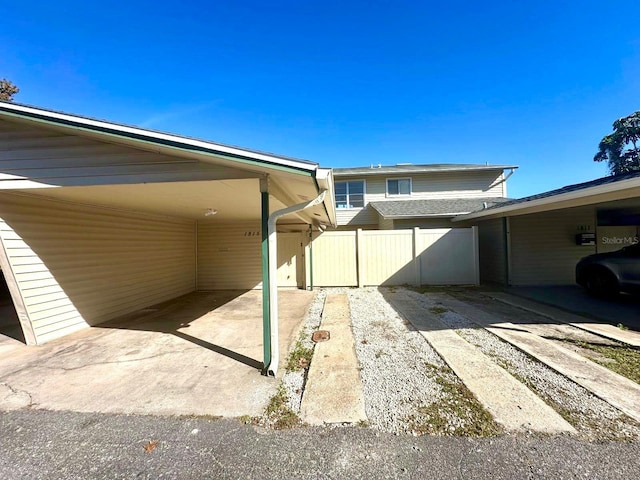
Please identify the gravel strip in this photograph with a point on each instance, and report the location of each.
(393, 361)
(293, 381)
(594, 418)
(407, 386)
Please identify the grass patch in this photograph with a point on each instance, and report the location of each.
(278, 412)
(458, 412)
(438, 310)
(620, 358)
(246, 419)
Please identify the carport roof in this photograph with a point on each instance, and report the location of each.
(433, 208)
(595, 191)
(290, 180)
(145, 136)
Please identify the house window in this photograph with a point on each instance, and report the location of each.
(399, 186)
(350, 194)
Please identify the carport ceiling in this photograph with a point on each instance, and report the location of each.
(234, 200)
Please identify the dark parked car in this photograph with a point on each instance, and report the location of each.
(605, 274)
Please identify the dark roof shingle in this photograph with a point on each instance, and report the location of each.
(433, 207)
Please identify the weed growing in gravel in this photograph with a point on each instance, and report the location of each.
(379, 353)
(457, 412)
(279, 414)
(622, 359)
(299, 358)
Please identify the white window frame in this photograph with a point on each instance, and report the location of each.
(394, 195)
(364, 193)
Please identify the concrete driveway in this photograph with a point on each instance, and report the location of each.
(621, 309)
(199, 354)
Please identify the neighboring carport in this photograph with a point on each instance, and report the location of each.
(538, 240)
(98, 220)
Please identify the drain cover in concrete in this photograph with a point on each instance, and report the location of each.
(321, 336)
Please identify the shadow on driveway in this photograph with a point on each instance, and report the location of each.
(622, 309)
(198, 354)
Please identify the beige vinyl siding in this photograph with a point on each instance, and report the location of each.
(493, 253)
(385, 224)
(31, 157)
(229, 256)
(78, 265)
(437, 185)
(357, 216)
(543, 247)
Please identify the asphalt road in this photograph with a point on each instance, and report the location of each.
(44, 444)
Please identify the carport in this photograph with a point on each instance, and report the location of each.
(98, 220)
(538, 240)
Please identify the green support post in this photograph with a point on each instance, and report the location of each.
(266, 316)
(311, 257)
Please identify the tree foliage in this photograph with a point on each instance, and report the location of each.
(620, 148)
(7, 90)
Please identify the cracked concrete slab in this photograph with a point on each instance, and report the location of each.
(199, 354)
(12, 399)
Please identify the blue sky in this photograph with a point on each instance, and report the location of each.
(347, 83)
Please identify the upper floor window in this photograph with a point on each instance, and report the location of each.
(350, 194)
(398, 186)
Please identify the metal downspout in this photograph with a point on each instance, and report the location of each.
(272, 365)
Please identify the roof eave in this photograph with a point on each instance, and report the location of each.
(375, 171)
(547, 203)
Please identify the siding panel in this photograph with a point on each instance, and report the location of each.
(229, 256)
(492, 252)
(36, 157)
(79, 266)
(543, 248)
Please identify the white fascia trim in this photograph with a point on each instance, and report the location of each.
(159, 136)
(549, 201)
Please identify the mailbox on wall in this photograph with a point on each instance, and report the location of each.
(586, 239)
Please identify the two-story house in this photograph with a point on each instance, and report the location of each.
(407, 196)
